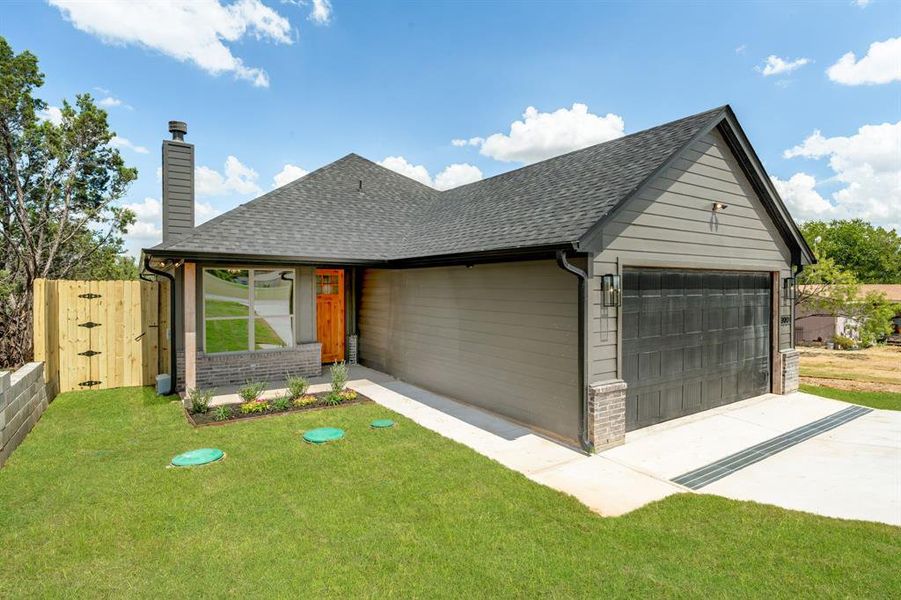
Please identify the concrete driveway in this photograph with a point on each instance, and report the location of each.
(851, 471)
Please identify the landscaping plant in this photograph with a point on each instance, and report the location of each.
(254, 407)
(297, 386)
(281, 403)
(199, 400)
(222, 413)
(339, 377)
(251, 390)
(348, 395)
(305, 400)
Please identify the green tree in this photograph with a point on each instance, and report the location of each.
(59, 185)
(872, 254)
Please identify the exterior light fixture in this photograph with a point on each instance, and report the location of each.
(719, 206)
(611, 290)
(789, 288)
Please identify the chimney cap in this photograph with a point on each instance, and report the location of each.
(178, 129)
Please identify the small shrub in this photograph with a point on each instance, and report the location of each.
(281, 403)
(348, 395)
(333, 398)
(253, 407)
(339, 377)
(297, 386)
(842, 342)
(222, 413)
(251, 390)
(305, 400)
(199, 400)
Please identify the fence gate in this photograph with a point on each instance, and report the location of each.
(101, 334)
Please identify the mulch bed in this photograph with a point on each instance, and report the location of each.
(209, 418)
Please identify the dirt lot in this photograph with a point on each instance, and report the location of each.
(875, 369)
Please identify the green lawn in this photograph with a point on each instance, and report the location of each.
(88, 508)
(886, 400)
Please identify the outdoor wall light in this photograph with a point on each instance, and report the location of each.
(719, 206)
(611, 290)
(789, 288)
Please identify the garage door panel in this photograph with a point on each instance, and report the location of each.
(693, 341)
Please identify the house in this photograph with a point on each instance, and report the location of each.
(812, 327)
(587, 295)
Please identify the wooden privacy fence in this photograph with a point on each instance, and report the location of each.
(101, 334)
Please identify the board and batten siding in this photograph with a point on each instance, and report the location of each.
(499, 336)
(670, 224)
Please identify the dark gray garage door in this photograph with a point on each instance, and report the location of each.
(693, 340)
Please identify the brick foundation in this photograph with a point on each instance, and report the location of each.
(607, 414)
(223, 370)
(791, 371)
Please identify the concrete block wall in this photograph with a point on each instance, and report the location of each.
(791, 371)
(23, 399)
(607, 414)
(225, 370)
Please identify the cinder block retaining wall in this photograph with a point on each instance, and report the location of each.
(23, 399)
(225, 370)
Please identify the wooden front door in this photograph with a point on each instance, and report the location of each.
(330, 313)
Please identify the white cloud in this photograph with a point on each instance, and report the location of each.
(147, 228)
(862, 3)
(741, 49)
(801, 197)
(121, 142)
(882, 64)
(321, 14)
(456, 175)
(188, 30)
(775, 65)
(867, 166)
(542, 135)
(52, 113)
(237, 178)
(473, 141)
(452, 176)
(400, 165)
(109, 102)
(288, 174)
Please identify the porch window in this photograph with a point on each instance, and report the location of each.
(247, 309)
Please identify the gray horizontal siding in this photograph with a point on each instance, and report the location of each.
(178, 188)
(670, 224)
(502, 336)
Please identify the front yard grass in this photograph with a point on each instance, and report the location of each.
(884, 400)
(88, 508)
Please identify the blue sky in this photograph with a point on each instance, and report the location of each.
(271, 83)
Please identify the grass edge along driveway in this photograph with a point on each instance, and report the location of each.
(882, 400)
(90, 510)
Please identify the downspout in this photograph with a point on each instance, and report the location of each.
(173, 360)
(583, 344)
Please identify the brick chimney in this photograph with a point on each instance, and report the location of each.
(178, 183)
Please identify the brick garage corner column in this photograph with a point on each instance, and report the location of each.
(791, 371)
(607, 414)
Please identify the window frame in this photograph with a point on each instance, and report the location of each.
(251, 314)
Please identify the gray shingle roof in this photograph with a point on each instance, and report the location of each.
(325, 215)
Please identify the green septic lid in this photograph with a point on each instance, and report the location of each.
(382, 423)
(323, 435)
(200, 456)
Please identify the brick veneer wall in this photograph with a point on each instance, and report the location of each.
(218, 370)
(791, 371)
(607, 414)
(23, 399)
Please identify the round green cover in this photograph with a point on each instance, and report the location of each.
(201, 456)
(323, 434)
(382, 423)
